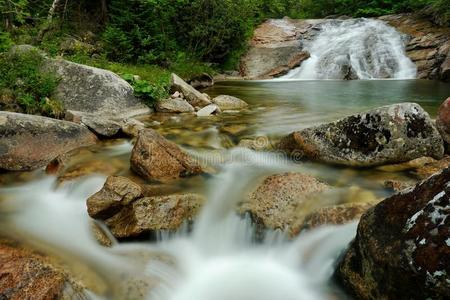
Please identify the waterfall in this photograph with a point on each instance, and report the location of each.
(355, 49)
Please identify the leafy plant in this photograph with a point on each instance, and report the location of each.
(148, 92)
(5, 41)
(23, 81)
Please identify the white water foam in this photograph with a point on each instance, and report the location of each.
(356, 49)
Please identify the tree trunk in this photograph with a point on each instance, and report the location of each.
(104, 13)
(51, 11)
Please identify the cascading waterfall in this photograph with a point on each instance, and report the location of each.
(355, 49)
(219, 260)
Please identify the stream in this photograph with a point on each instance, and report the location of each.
(219, 257)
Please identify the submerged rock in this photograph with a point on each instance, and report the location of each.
(386, 135)
(401, 250)
(156, 158)
(176, 105)
(226, 102)
(123, 206)
(31, 142)
(26, 274)
(443, 120)
(194, 97)
(276, 202)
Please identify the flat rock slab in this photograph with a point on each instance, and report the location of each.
(30, 142)
(386, 135)
(401, 250)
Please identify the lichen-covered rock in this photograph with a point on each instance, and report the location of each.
(281, 200)
(156, 158)
(152, 214)
(402, 250)
(226, 102)
(30, 142)
(176, 105)
(115, 194)
(443, 120)
(386, 135)
(194, 97)
(26, 274)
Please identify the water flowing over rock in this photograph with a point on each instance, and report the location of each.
(355, 49)
(281, 200)
(31, 142)
(386, 135)
(156, 158)
(226, 102)
(443, 120)
(194, 97)
(26, 274)
(428, 45)
(401, 250)
(124, 208)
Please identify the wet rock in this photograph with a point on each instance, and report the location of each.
(115, 194)
(276, 203)
(151, 214)
(176, 105)
(26, 274)
(156, 158)
(443, 120)
(194, 97)
(31, 142)
(409, 165)
(131, 127)
(226, 102)
(398, 185)
(386, 135)
(201, 81)
(401, 250)
(433, 167)
(208, 110)
(277, 47)
(335, 215)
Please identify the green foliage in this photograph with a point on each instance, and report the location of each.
(148, 92)
(23, 83)
(5, 41)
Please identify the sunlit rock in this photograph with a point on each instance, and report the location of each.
(401, 250)
(226, 102)
(156, 158)
(386, 135)
(176, 105)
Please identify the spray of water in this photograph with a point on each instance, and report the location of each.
(219, 260)
(356, 49)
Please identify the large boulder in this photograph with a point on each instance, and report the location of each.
(443, 120)
(386, 135)
(156, 158)
(94, 91)
(225, 102)
(194, 97)
(283, 200)
(29, 142)
(401, 250)
(277, 47)
(26, 274)
(128, 212)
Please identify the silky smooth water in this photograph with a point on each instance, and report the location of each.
(221, 258)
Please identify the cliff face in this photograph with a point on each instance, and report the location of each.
(277, 46)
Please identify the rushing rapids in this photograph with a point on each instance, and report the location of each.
(355, 49)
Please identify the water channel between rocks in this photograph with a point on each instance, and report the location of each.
(220, 252)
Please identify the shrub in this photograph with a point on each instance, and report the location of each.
(23, 82)
(5, 41)
(148, 92)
